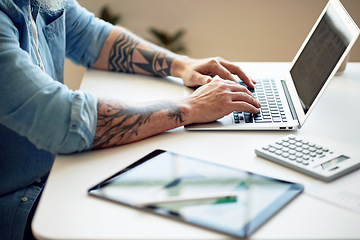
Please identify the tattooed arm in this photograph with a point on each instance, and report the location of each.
(120, 123)
(125, 52)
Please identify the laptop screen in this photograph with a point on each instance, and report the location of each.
(319, 57)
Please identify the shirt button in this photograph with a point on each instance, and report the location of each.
(38, 181)
(24, 199)
(29, 23)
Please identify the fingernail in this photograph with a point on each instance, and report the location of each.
(207, 80)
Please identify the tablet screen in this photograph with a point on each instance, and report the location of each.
(152, 181)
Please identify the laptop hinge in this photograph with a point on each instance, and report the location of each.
(288, 98)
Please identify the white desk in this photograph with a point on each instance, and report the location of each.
(67, 212)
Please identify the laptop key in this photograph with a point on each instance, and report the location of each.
(263, 121)
(248, 117)
(277, 119)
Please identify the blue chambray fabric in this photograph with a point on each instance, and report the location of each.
(39, 116)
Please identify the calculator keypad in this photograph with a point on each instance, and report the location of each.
(297, 150)
(309, 158)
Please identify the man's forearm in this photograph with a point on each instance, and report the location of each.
(119, 124)
(125, 52)
(128, 54)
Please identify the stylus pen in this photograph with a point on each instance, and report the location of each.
(214, 196)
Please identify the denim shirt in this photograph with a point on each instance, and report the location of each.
(39, 116)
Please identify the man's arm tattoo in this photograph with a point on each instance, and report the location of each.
(148, 60)
(119, 123)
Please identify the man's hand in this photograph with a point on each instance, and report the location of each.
(200, 72)
(126, 52)
(217, 99)
(120, 123)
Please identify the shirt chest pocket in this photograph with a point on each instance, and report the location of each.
(54, 34)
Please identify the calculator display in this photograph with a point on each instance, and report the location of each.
(333, 162)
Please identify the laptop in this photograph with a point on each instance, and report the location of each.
(286, 104)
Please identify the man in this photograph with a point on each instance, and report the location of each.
(40, 117)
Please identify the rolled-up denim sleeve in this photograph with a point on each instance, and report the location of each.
(85, 34)
(50, 115)
(34, 105)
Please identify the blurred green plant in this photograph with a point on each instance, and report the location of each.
(108, 16)
(172, 42)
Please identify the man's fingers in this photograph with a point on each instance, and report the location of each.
(238, 92)
(245, 97)
(234, 69)
(205, 79)
(198, 79)
(245, 107)
(217, 68)
(240, 88)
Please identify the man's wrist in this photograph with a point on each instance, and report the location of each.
(187, 111)
(178, 65)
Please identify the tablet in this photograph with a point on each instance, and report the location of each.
(212, 196)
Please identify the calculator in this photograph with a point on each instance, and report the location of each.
(309, 158)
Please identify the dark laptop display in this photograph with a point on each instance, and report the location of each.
(320, 56)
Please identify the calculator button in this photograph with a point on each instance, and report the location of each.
(271, 149)
(292, 137)
(306, 152)
(292, 141)
(305, 146)
(312, 149)
(305, 162)
(285, 149)
(319, 152)
(275, 146)
(292, 157)
(292, 147)
(278, 152)
(285, 155)
(299, 149)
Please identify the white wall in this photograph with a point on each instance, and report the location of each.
(238, 30)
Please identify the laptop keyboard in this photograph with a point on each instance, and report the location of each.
(271, 110)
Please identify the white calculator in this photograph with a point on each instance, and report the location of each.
(309, 158)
